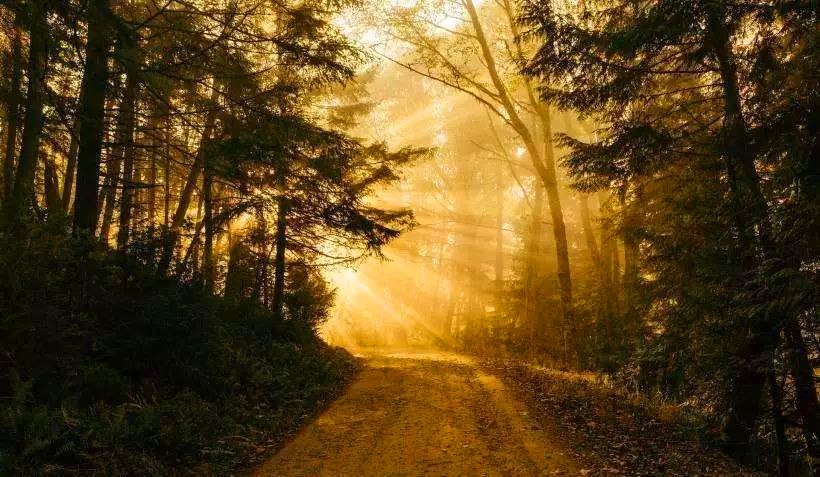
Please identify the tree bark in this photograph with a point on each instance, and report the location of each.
(71, 159)
(12, 113)
(208, 270)
(606, 285)
(589, 233)
(776, 395)
(71, 166)
(128, 114)
(279, 261)
(532, 265)
(92, 115)
(54, 204)
(166, 175)
(186, 194)
(752, 215)
(156, 145)
(544, 166)
(805, 387)
(499, 234)
(125, 134)
(33, 119)
(633, 216)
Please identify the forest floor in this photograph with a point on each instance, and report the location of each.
(414, 412)
(610, 432)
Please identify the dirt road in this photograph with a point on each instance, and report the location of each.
(413, 413)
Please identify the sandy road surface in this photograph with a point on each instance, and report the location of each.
(419, 413)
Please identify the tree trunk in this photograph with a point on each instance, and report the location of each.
(109, 196)
(606, 285)
(187, 191)
(279, 261)
(208, 271)
(54, 204)
(631, 237)
(752, 215)
(589, 233)
(438, 270)
(92, 114)
(559, 229)
(547, 170)
(616, 278)
(544, 166)
(745, 391)
(166, 175)
(12, 113)
(33, 119)
(531, 267)
(71, 166)
(776, 395)
(71, 159)
(128, 114)
(499, 235)
(125, 135)
(152, 174)
(805, 387)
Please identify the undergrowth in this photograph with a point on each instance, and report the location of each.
(614, 431)
(108, 369)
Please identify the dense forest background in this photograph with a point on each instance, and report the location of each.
(627, 188)
(622, 187)
(175, 177)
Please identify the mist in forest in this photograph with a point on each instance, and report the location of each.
(460, 271)
(208, 206)
(479, 267)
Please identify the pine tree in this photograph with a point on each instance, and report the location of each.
(671, 82)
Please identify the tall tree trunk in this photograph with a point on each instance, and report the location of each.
(71, 166)
(753, 362)
(559, 229)
(532, 266)
(438, 270)
(152, 175)
(589, 233)
(33, 119)
(54, 204)
(125, 135)
(754, 358)
(449, 314)
(71, 159)
(186, 194)
(547, 171)
(608, 283)
(279, 261)
(12, 113)
(166, 173)
(631, 237)
(192, 253)
(499, 234)
(544, 166)
(92, 113)
(752, 215)
(776, 395)
(128, 114)
(805, 387)
(107, 191)
(208, 270)
(616, 277)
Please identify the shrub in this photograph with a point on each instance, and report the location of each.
(108, 368)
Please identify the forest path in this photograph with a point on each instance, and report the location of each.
(421, 413)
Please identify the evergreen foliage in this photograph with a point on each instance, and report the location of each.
(684, 96)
